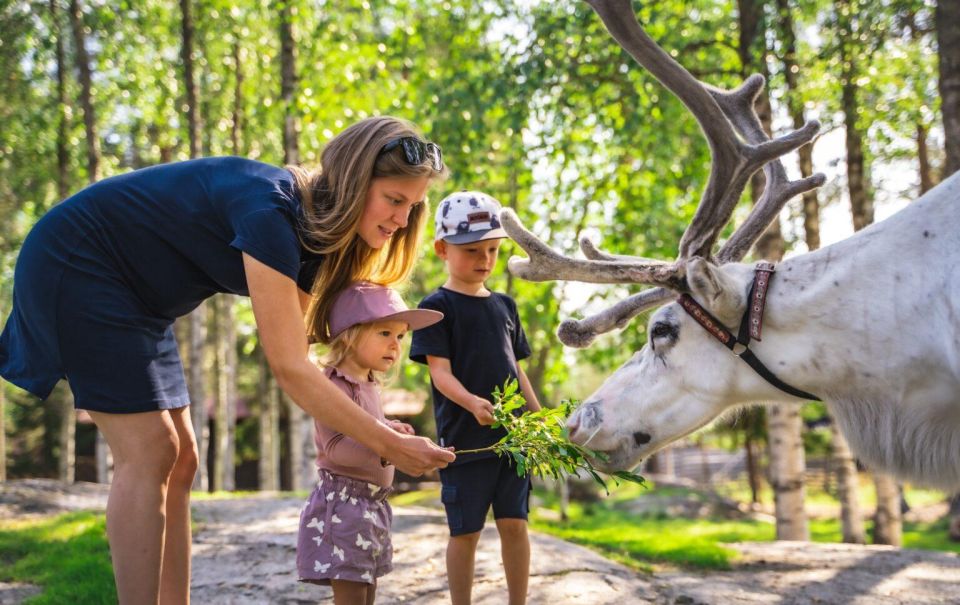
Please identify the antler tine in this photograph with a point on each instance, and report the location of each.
(733, 161)
(545, 264)
(593, 253)
(738, 105)
(726, 180)
(580, 333)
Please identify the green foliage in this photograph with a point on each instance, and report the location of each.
(67, 555)
(538, 443)
(532, 102)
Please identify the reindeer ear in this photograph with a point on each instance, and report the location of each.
(715, 290)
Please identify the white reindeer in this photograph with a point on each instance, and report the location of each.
(870, 325)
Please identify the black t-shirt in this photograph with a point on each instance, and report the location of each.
(483, 339)
(175, 232)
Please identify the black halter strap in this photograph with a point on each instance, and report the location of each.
(750, 327)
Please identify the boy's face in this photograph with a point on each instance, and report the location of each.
(469, 264)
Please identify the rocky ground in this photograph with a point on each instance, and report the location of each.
(244, 552)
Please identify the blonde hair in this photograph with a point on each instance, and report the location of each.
(344, 342)
(333, 199)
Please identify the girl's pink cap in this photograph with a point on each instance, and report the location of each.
(365, 302)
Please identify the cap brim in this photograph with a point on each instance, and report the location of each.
(415, 318)
(475, 236)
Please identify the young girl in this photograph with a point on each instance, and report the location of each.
(345, 525)
(102, 276)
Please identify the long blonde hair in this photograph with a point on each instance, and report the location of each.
(333, 199)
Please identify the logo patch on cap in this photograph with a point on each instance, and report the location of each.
(478, 217)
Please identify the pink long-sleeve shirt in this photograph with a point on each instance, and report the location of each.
(343, 455)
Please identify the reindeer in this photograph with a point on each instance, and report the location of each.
(870, 325)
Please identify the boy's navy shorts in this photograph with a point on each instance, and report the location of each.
(470, 488)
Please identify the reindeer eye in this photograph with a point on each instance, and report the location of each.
(663, 330)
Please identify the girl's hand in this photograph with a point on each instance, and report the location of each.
(401, 427)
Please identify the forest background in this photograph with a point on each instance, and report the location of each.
(531, 102)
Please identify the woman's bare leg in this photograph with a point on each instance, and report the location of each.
(175, 580)
(144, 448)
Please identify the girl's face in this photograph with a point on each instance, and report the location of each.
(378, 346)
(388, 205)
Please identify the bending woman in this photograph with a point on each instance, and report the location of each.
(102, 276)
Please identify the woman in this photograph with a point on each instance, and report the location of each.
(102, 276)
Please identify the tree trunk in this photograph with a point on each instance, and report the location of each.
(67, 464)
(948, 43)
(63, 156)
(190, 83)
(236, 127)
(86, 96)
(198, 330)
(923, 157)
(288, 87)
(787, 470)
(851, 517)
(787, 462)
(811, 205)
(104, 459)
(303, 449)
(954, 530)
(3, 431)
(196, 379)
(269, 395)
(861, 199)
(887, 522)
(226, 339)
(753, 469)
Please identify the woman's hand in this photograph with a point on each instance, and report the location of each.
(400, 427)
(417, 455)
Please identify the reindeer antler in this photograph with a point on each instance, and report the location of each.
(721, 115)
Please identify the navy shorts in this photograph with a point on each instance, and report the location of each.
(470, 488)
(74, 317)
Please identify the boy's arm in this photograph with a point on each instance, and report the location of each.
(452, 389)
(533, 404)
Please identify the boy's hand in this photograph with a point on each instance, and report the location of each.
(482, 410)
(400, 427)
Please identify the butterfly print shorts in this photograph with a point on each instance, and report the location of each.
(345, 532)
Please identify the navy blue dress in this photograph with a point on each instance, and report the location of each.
(102, 276)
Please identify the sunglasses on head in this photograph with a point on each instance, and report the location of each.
(416, 152)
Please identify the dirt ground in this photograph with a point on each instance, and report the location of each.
(244, 552)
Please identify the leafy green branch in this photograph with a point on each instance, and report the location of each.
(538, 442)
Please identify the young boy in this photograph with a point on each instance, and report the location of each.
(474, 349)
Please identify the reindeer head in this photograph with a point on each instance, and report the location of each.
(682, 378)
(678, 382)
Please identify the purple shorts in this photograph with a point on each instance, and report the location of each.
(345, 532)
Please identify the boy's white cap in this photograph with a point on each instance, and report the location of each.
(468, 216)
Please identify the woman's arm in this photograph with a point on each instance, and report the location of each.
(533, 404)
(277, 309)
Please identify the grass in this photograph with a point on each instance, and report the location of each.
(67, 555)
(644, 541)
